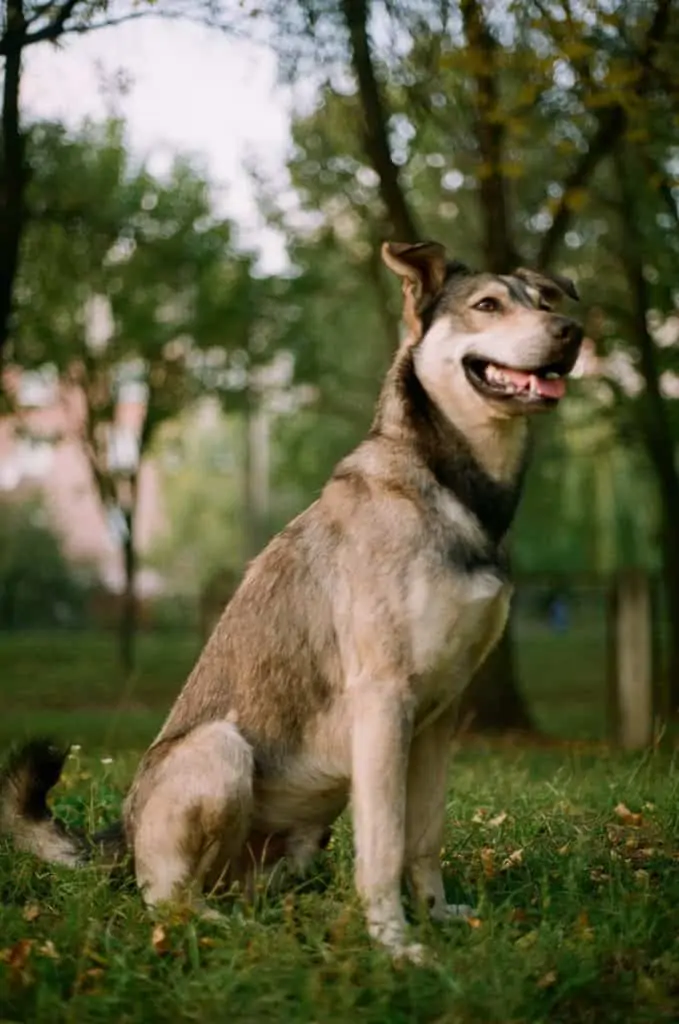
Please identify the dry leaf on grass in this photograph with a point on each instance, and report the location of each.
(584, 929)
(496, 821)
(488, 861)
(547, 980)
(473, 922)
(512, 860)
(159, 940)
(30, 912)
(87, 981)
(16, 957)
(527, 940)
(48, 949)
(626, 816)
(480, 816)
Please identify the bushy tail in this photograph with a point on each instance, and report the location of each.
(29, 774)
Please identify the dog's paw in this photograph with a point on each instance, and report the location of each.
(452, 912)
(413, 953)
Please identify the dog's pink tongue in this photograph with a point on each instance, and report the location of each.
(555, 388)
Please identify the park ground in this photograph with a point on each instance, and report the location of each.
(569, 850)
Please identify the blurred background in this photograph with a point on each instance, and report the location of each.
(195, 323)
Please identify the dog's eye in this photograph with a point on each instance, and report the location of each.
(488, 305)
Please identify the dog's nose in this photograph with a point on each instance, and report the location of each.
(567, 331)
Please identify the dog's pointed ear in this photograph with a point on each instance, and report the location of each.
(422, 269)
(552, 287)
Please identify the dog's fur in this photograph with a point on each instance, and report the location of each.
(334, 670)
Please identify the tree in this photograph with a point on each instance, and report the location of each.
(29, 23)
(466, 89)
(125, 279)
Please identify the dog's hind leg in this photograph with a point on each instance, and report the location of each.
(425, 816)
(197, 814)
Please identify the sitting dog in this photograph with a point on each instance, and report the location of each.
(335, 669)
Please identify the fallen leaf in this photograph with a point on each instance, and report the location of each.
(563, 850)
(626, 816)
(31, 911)
(527, 940)
(488, 861)
(16, 958)
(585, 931)
(497, 820)
(479, 816)
(87, 981)
(547, 980)
(17, 955)
(159, 940)
(512, 860)
(48, 949)
(518, 914)
(473, 922)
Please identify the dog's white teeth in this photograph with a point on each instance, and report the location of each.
(552, 375)
(534, 386)
(495, 375)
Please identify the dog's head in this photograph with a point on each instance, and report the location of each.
(494, 340)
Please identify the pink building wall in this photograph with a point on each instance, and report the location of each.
(41, 451)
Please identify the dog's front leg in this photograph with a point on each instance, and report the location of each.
(425, 816)
(381, 719)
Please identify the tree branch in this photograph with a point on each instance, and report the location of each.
(612, 123)
(375, 139)
(490, 135)
(12, 170)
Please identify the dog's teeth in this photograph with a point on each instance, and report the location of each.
(552, 375)
(495, 375)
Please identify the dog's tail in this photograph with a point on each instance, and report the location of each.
(31, 771)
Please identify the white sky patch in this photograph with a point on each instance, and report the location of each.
(193, 90)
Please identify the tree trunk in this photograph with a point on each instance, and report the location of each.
(129, 608)
(493, 701)
(375, 136)
(499, 251)
(656, 429)
(12, 167)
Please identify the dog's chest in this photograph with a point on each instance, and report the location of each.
(455, 620)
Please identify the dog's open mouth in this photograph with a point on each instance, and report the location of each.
(544, 385)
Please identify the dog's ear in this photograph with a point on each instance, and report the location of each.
(422, 269)
(552, 287)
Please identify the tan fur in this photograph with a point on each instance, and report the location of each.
(334, 671)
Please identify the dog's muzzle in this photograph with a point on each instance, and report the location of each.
(536, 386)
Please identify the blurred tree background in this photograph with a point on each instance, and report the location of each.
(542, 133)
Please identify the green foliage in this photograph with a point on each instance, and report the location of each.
(38, 587)
(200, 458)
(564, 78)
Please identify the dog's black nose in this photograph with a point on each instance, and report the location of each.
(567, 331)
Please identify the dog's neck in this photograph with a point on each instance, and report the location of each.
(483, 467)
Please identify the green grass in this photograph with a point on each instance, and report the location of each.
(582, 925)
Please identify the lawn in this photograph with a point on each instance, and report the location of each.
(570, 852)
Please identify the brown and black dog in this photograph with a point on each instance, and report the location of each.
(334, 671)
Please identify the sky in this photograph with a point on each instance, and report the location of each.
(192, 89)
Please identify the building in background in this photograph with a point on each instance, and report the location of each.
(41, 453)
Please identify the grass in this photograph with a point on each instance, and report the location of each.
(577, 901)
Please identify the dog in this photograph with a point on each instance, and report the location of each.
(334, 673)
